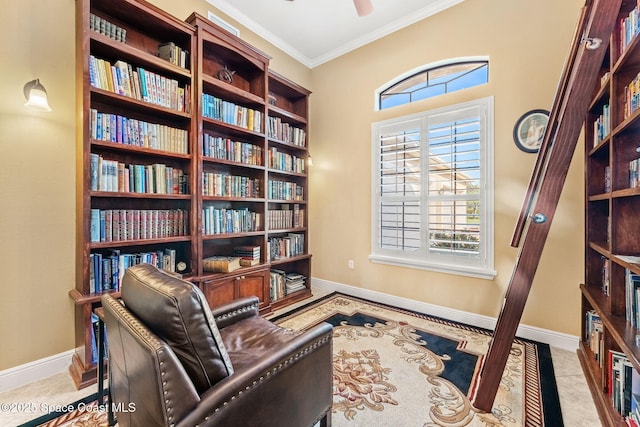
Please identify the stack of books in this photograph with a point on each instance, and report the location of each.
(221, 264)
(294, 282)
(249, 255)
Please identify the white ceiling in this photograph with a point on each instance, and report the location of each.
(316, 31)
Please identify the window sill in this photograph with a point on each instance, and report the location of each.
(480, 273)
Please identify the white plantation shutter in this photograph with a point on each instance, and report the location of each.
(433, 190)
(399, 187)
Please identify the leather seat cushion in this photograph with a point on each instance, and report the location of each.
(252, 338)
(178, 313)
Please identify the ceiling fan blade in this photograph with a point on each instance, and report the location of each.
(364, 7)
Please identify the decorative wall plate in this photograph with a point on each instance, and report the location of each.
(529, 130)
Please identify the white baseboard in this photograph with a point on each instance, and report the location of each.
(554, 339)
(35, 371)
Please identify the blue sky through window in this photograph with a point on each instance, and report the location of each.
(435, 81)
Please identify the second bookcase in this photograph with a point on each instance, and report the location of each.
(609, 351)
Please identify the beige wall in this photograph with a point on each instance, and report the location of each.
(526, 44)
(37, 161)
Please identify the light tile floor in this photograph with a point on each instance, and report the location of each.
(578, 409)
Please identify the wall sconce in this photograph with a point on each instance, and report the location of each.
(36, 96)
(309, 160)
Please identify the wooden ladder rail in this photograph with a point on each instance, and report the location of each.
(569, 110)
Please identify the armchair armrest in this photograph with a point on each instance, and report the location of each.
(235, 311)
(299, 373)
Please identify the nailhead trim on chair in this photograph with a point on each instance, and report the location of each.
(237, 311)
(267, 374)
(152, 340)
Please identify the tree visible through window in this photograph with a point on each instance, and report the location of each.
(433, 190)
(434, 80)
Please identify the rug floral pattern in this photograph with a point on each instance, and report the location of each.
(386, 374)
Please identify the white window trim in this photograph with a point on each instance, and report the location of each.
(425, 67)
(486, 271)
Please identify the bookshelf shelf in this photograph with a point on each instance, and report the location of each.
(286, 145)
(611, 294)
(276, 111)
(287, 260)
(232, 235)
(106, 97)
(115, 146)
(103, 44)
(232, 129)
(180, 107)
(130, 195)
(139, 242)
(231, 92)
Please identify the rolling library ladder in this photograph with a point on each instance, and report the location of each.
(575, 91)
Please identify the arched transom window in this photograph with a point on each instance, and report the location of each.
(433, 79)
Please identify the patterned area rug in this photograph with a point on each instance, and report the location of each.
(83, 413)
(394, 367)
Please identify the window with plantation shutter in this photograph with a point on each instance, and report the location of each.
(433, 190)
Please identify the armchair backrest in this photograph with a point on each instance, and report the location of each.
(177, 312)
(144, 372)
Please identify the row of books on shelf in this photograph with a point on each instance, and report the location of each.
(113, 225)
(632, 96)
(227, 185)
(115, 176)
(282, 283)
(628, 27)
(284, 190)
(285, 132)
(623, 381)
(107, 28)
(140, 84)
(602, 125)
(594, 335)
(632, 298)
(606, 275)
(123, 130)
(173, 53)
(286, 246)
(286, 162)
(623, 386)
(94, 340)
(228, 112)
(225, 221)
(279, 219)
(634, 173)
(226, 149)
(107, 270)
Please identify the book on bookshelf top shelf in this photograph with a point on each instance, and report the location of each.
(628, 28)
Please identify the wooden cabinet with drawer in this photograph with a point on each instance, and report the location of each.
(247, 282)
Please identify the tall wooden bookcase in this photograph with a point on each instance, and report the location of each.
(161, 164)
(610, 292)
(287, 169)
(230, 103)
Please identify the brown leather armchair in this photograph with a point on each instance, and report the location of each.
(174, 362)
